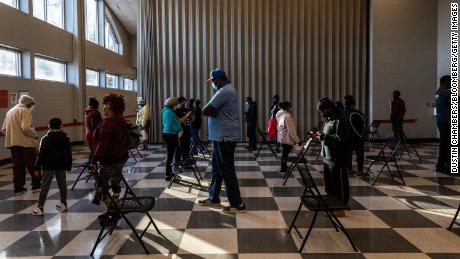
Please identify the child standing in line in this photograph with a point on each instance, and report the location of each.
(54, 159)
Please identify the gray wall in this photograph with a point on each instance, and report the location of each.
(444, 37)
(299, 49)
(33, 36)
(404, 57)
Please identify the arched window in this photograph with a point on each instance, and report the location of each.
(112, 40)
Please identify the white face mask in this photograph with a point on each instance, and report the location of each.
(32, 108)
(214, 86)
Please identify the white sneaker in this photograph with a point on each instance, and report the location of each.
(38, 212)
(61, 207)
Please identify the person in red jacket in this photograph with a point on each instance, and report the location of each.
(92, 119)
(398, 110)
(110, 147)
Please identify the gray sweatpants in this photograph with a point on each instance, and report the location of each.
(48, 176)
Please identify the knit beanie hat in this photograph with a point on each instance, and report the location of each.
(26, 100)
(171, 102)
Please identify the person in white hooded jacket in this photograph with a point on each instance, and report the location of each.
(287, 132)
(22, 140)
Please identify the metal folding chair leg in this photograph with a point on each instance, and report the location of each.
(454, 219)
(304, 241)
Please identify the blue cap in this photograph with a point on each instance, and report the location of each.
(216, 73)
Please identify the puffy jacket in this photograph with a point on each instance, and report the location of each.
(143, 116)
(19, 128)
(111, 141)
(55, 152)
(335, 139)
(287, 131)
(171, 123)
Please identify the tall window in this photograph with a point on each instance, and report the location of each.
(111, 40)
(12, 3)
(111, 81)
(129, 84)
(91, 21)
(92, 77)
(10, 62)
(47, 69)
(51, 11)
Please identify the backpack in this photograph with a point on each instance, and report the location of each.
(134, 136)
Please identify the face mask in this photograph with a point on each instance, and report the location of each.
(32, 108)
(215, 86)
(327, 114)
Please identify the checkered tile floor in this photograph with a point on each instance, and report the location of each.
(387, 220)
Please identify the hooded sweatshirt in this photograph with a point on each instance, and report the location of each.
(19, 128)
(111, 141)
(55, 152)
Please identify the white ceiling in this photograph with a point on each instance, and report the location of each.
(127, 12)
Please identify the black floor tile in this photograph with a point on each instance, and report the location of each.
(265, 241)
(40, 243)
(211, 219)
(174, 204)
(404, 219)
(381, 241)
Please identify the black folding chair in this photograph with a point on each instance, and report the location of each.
(200, 148)
(314, 201)
(263, 136)
(133, 154)
(454, 219)
(188, 163)
(120, 208)
(389, 153)
(300, 158)
(84, 167)
(408, 148)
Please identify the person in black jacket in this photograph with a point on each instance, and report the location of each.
(54, 159)
(335, 139)
(356, 121)
(183, 111)
(251, 121)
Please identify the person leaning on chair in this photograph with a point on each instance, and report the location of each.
(335, 139)
(224, 131)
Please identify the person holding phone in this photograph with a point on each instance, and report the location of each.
(185, 116)
(335, 138)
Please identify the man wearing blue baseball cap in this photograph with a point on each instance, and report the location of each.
(224, 132)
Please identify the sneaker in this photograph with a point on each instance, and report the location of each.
(61, 207)
(36, 189)
(234, 210)
(20, 191)
(38, 212)
(209, 203)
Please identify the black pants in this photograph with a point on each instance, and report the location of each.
(358, 147)
(336, 181)
(284, 157)
(444, 146)
(397, 128)
(24, 159)
(251, 132)
(171, 147)
(184, 146)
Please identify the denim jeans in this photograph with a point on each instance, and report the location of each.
(223, 169)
